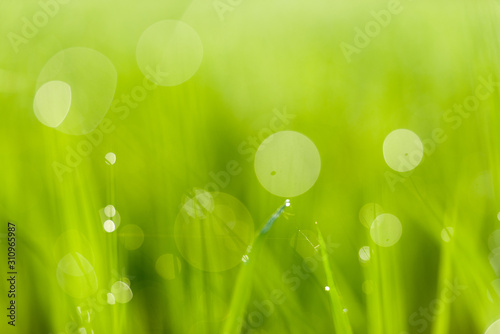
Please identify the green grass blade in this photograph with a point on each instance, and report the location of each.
(243, 285)
(340, 318)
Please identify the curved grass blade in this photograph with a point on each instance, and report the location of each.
(243, 285)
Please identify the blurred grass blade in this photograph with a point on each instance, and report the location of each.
(340, 318)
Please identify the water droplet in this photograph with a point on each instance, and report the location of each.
(122, 292)
(52, 103)
(110, 158)
(110, 211)
(327, 288)
(111, 298)
(364, 254)
(446, 234)
(109, 226)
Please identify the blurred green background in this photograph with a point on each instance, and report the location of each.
(259, 59)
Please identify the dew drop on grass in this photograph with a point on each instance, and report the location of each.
(386, 230)
(110, 158)
(109, 226)
(110, 298)
(74, 90)
(368, 213)
(169, 52)
(122, 292)
(327, 288)
(403, 150)
(446, 234)
(125, 280)
(494, 328)
(131, 236)
(287, 164)
(110, 211)
(52, 103)
(364, 254)
(168, 266)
